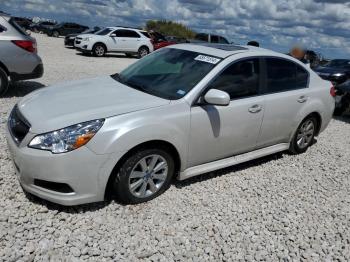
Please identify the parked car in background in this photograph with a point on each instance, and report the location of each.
(69, 39)
(181, 111)
(342, 100)
(210, 38)
(64, 29)
(159, 41)
(18, 54)
(175, 39)
(115, 40)
(23, 22)
(337, 71)
(41, 26)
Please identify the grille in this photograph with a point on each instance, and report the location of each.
(18, 125)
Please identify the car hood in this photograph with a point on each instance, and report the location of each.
(85, 35)
(330, 70)
(69, 103)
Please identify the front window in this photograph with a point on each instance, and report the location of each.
(168, 73)
(104, 31)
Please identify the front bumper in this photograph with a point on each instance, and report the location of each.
(80, 169)
(69, 42)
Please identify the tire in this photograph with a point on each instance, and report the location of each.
(135, 183)
(304, 136)
(99, 50)
(4, 82)
(338, 111)
(55, 34)
(143, 51)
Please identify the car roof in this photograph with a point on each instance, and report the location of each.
(121, 27)
(224, 50)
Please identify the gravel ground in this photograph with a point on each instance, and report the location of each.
(283, 207)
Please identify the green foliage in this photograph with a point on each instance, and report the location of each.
(170, 28)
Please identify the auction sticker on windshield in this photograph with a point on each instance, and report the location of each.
(207, 59)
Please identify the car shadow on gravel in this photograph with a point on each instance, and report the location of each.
(22, 88)
(344, 118)
(107, 56)
(91, 207)
(227, 170)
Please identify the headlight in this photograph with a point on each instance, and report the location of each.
(86, 38)
(338, 74)
(67, 139)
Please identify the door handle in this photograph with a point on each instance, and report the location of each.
(255, 109)
(302, 99)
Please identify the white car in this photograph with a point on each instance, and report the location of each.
(115, 39)
(179, 112)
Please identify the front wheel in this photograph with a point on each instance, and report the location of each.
(4, 82)
(143, 51)
(99, 50)
(304, 136)
(144, 175)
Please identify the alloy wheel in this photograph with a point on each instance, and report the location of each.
(143, 52)
(305, 134)
(99, 50)
(148, 176)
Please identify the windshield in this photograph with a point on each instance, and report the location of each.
(168, 73)
(339, 63)
(104, 31)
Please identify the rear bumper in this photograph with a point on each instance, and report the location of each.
(36, 73)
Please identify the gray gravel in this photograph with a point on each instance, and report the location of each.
(283, 207)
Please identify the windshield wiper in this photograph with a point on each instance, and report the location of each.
(116, 77)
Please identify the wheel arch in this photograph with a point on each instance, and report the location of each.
(100, 43)
(161, 144)
(4, 68)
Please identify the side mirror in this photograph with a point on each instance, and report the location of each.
(113, 35)
(217, 97)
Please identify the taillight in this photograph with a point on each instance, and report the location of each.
(332, 91)
(27, 45)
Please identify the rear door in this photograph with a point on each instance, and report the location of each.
(131, 40)
(286, 92)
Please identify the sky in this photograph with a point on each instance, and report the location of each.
(320, 25)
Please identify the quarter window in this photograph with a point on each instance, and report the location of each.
(240, 79)
(283, 75)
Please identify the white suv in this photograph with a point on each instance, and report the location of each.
(115, 39)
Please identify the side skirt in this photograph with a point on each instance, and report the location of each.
(231, 161)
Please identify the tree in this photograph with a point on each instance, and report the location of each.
(170, 28)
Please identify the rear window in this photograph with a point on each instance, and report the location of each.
(146, 34)
(17, 27)
(284, 75)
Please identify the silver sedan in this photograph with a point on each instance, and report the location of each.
(179, 112)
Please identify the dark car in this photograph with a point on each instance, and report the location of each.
(64, 29)
(211, 38)
(69, 39)
(342, 99)
(337, 71)
(23, 22)
(41, 26)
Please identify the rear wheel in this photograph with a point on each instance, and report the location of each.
(143, 51)
(99, 50)
(144, 175)
(304, 135)
(55, 34)
(4, 82)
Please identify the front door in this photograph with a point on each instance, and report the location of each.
(218, 132)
